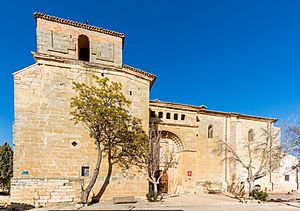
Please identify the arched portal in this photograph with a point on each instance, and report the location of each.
(177, 141)
(171, 147)
(163, 186)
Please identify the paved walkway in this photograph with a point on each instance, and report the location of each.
(203, 202)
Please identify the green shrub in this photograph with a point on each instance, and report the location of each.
(151, 197)
(259, 195)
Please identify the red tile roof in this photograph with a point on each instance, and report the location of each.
(77, 24)
(139, 71)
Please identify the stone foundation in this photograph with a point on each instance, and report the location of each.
(42, 192)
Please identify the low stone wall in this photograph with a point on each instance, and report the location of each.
(42, 192)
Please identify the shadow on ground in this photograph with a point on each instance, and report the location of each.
(17, 207)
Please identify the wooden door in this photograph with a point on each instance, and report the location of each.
(163, 183)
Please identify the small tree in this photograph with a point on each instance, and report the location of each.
(6, 166)
(117, 134)
(158, 161)
(258, 155)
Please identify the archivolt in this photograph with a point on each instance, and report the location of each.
(174, 137)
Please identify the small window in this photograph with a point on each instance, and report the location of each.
(287, 177)
(176, 116)
(85, 171)
(210, 131)
(250, 135)
(182, 117)
(152, 114)
(130, 93)
(83, 48)
(74, 143)
(160, 114)
(102, 74)
(168, 116)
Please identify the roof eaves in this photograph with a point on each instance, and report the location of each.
(150, 75)
(77, 24)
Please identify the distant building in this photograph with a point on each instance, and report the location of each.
(53, 157)
(289, 174)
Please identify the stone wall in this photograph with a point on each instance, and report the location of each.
(44, 134)
(42, 192)
(200, 154)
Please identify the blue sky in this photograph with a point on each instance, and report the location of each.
(241, 56)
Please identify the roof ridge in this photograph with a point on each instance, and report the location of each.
(213, 111)
(77, 24)
(179, 104)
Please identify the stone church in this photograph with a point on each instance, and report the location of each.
(53, 157)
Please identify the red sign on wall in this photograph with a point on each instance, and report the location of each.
(189, 173)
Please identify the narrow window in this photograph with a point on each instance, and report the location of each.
(102, 74)
(287, 177)
(152, 114)
(130, 93)
(210, 131)
(250, 135)
(83, 48)
(176, 116)
(84, 171)
(168, 116)
(160, 114)
(182, 117)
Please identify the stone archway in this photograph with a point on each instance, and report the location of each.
(170, 141)
(172, 136)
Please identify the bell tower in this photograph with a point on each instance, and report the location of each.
(77, 41)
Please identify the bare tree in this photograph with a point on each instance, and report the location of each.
(159, 159)
(291, 137)
(259, 155)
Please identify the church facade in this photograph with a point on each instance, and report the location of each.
(53, 156)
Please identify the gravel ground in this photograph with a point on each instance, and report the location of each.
(203, 202)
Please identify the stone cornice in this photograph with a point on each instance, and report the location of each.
(238, 115)
(61, 60)
(184, 107)
(175, 124)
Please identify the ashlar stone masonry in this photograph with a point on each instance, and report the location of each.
(52, 155)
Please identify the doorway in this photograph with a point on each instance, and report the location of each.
(163, 186)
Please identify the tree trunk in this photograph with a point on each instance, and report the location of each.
(86, 192)
(250, 180)
(155, 189)
(251, 185)
(97, 198)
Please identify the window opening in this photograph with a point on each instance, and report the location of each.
(210, 131)
(152, 114)
(160, 114)
(176, 116)
(83, 48)
(85, 171)
(182, 117)
(168, 116)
